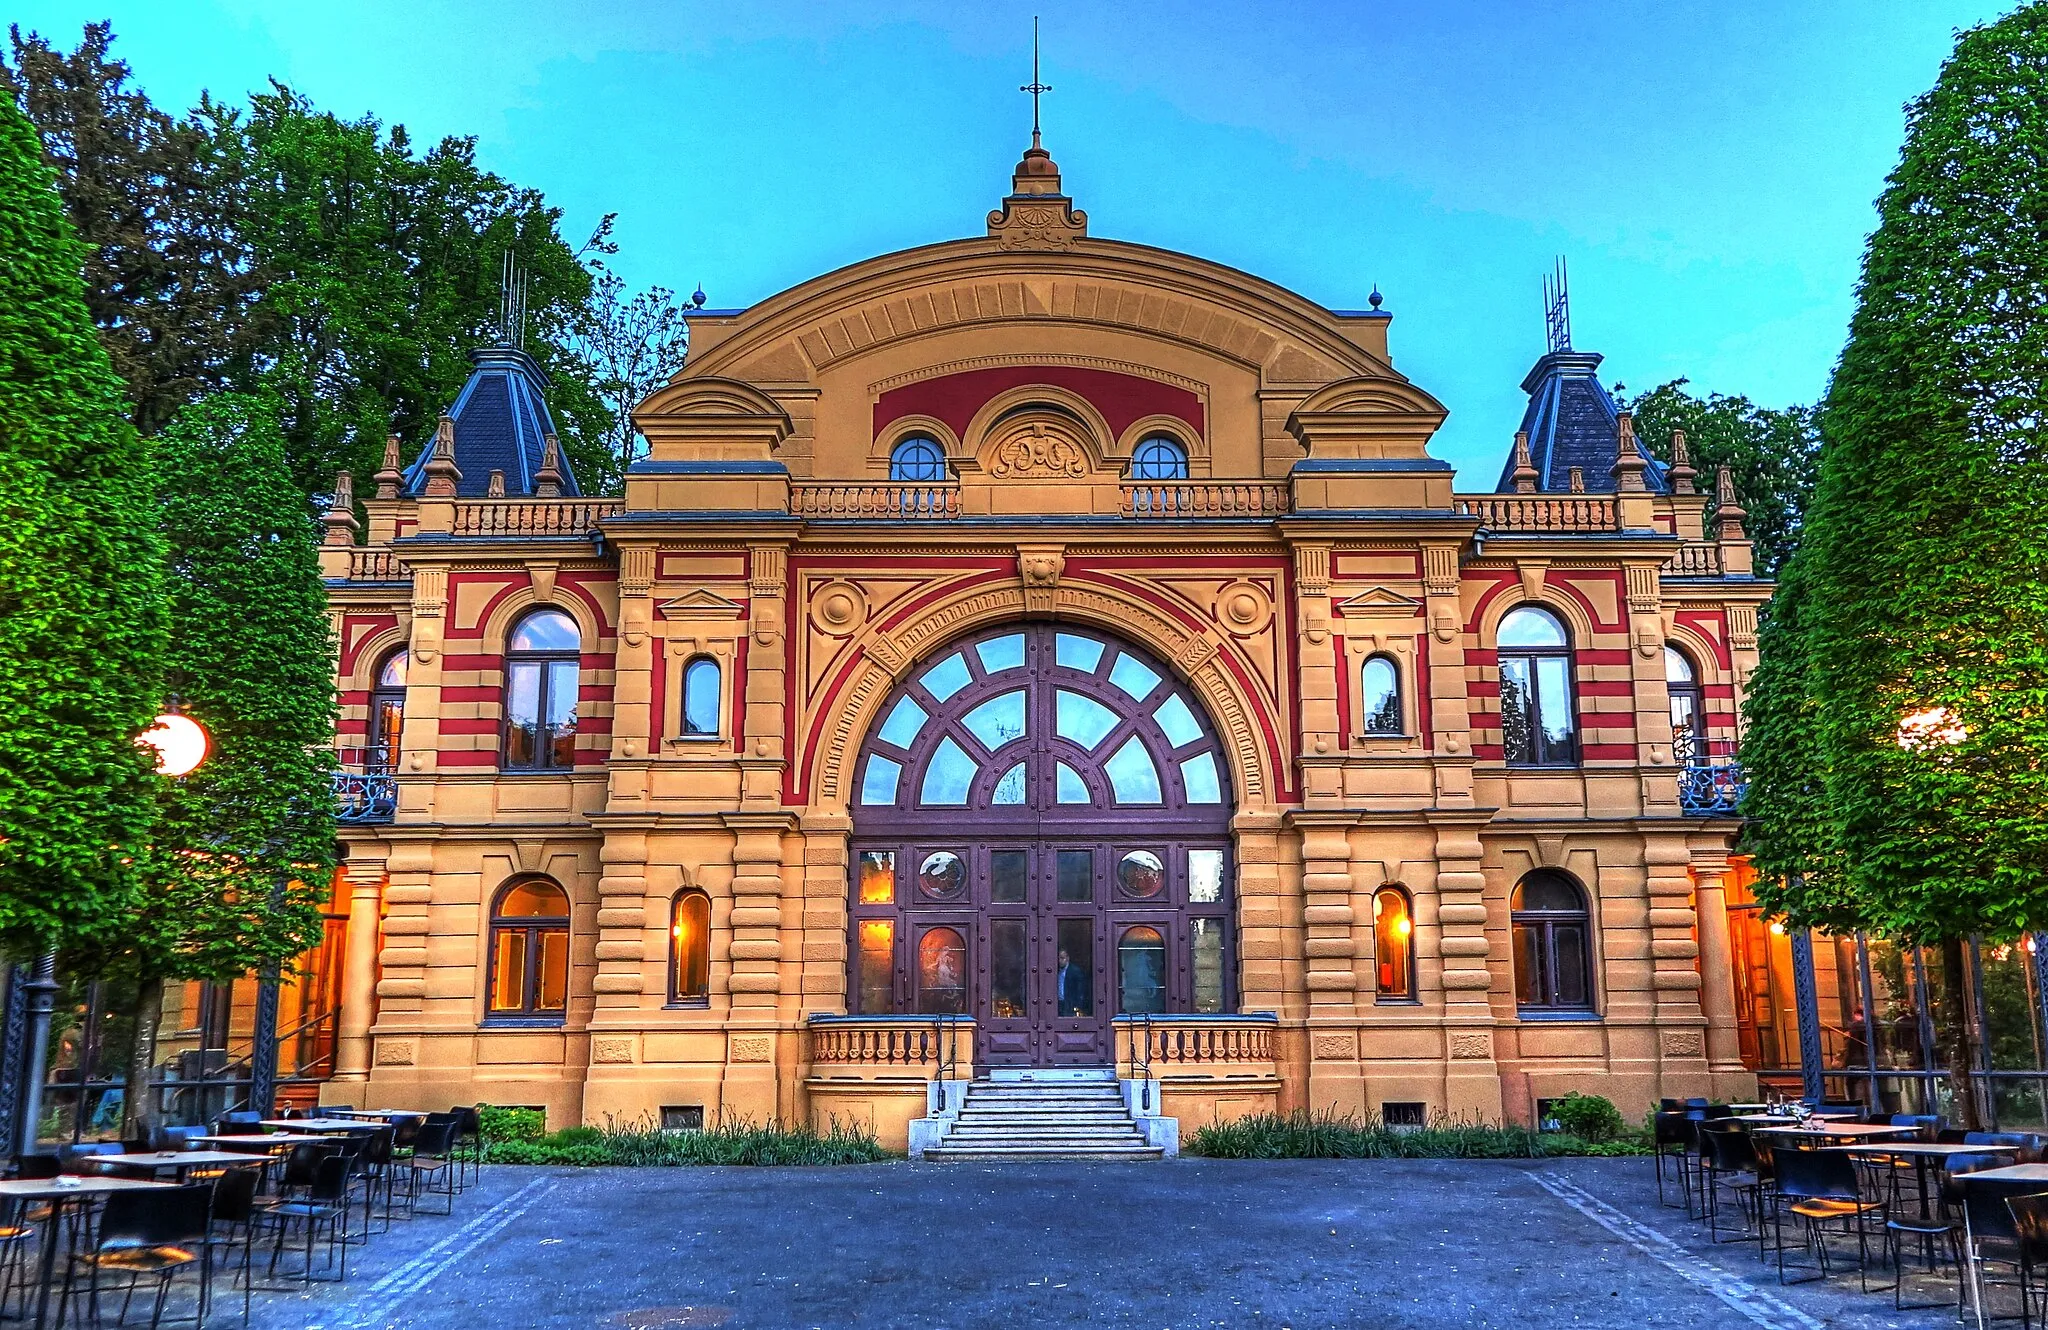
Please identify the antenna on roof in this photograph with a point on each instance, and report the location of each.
(1557, 309)
(1035, 87)
(513, 282)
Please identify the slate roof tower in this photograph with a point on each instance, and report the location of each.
(502, 423)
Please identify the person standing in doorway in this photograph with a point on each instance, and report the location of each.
(1072, 987)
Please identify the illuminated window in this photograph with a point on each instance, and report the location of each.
(1394, 943)
(689, 948)
(530, 950)
(540, 693)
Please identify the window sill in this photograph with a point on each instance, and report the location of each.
(516, 1022)
(688, 1004)
(1558, 1015)
(1379, 1001)
(1541, 766)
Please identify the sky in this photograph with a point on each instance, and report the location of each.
(1707, 169)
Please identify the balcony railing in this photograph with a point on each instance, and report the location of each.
(366, 784)
(934, 1046)
(1712, 787)
(531, 517)
(1695, 560)
(905, 503)
(1197, 499)
(1546, 512)
(375, 565)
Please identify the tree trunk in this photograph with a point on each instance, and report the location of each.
(149, 1014)
(1955, 1035)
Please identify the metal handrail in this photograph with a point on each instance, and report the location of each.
(1141, 1061)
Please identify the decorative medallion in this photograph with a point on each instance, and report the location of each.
(839, 607)
(1038, 453)
(1243, 607)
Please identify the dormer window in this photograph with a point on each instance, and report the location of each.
(917, 460)
(1159, 458)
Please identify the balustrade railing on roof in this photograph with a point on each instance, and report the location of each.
(1695, 560)
(875, 502)
(1541, 512)
(375, 565)
(1193, 498)
(531, 517)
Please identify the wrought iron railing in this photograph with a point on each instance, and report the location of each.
(1182, 498)
(1547, 512)
(1711, 787)
(366, 784)
(532, 517)
(907, 503)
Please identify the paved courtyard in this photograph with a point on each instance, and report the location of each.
(1182, 1244)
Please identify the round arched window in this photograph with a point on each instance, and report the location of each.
(1552, 943)
(1393, 925)
(1537, 726)
(689, 972)
(1159, 458)
(530, 950)
(540, 693)
(387, 713)
(1380, 689)
(1688, 713)
(917, 460)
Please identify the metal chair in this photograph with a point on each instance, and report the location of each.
(326, 1200)
(155, 1233)
(1673, 1134)
(1821, 1187)
(431, 1158)
(1731, 1164)
(2030, 1227)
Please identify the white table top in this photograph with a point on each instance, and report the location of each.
(57, 1189)
(2010, 1173)
(317, 1124)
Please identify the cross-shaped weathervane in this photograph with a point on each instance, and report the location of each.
(1034, 87)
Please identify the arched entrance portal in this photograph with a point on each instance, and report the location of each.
(1041, 840)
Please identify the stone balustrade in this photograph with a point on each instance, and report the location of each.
(532, 517)
(1541, 512)
(930, 1046)
(1181, 498)
(908, 503)
(1695, 559)
(1195, 1045)
(375, 565)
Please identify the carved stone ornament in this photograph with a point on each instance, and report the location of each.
(611, 1050)
(1037, 452)
(752, 1048)
(1471, 1044)
(1040, 566)
(1051, 224)
(1443, 621)
(767, 622)
(1683, 1044)
(396, 1052)
(838, 607)
(1245, 608)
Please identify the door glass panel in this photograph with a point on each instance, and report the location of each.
(1528, 965)
(1078, 653)
(906, 718)
(997, 721)
(877, 966)
(508, 971)
(1205, 944)
(1140, 874)
(1076, 883)
(1554, 707)
(1082, 719)
(1141, 972)
(1071, 788)
(1179, 723)
(878, 877)
(1198, 775)
(1132, 777)
(1074, 967)
(554, 970)
(1133, 677)
(1001, 653)
(1006, 968)
(1010, 789)
(1205, 877)
(878, 782)
(947, 776)
(947, 677)
(942, 876)
(1006, 877)
(941, 973)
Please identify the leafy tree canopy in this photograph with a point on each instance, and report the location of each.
(1773, 456)
(80, 622)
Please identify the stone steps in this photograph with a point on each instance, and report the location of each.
(1069, 1115)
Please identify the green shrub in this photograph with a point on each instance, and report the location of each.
(511, 1124)
(1590, 1117)
(639, 1145)
(1302, 1135)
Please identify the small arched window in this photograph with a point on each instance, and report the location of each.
(689, 948)
(941, 972)
(1393, 924)
(917, 460)
(540, 693)
(387, 714)
(1159, 458)
(1380, 695)
(1553, 943)
(1141, 971)
(1688, 713)
(530, 950)
(1537, 727)
(700, 699)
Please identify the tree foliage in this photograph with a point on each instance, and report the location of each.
(80, 622)
(631, 344)
(1773, 455)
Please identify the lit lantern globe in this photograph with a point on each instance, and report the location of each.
(180, 743)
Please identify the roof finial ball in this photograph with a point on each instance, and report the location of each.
(1375, 299)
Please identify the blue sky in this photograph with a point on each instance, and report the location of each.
(1706, 168)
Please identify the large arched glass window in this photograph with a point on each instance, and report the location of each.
(540, 693)
(689, 948)
(700, 699)
(530, 950)
(1553, 943)
(1159, 458)
(1393, 924)
(917, 460)
(387, 713)
(1537, 728)
(1688, 713)
(1380, 695)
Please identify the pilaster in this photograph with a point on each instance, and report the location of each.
(1471, 1073)
(365, 877)
(621, 951)
(1450, 712)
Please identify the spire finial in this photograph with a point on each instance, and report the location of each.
(388, 476)
(547, 482)
(1629, 465)
(1681, 464)
(441, 473)
(340, 518)
(1728, 510)
(1524, 475)
(1034, 87)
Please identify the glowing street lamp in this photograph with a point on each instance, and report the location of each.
(181, 744)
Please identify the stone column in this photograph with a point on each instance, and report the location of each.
(754, 1029)
(1717, 967)
(827, 886)
(1331, 948)
(1471, 1075)
(636, 715)
(359, 970)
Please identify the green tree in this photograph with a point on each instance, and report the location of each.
(80, 620)
(244, 846)
(630, 346)
(158, 202)
(1773, 455)
(1924, 624)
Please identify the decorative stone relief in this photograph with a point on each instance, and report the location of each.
(611, 1050)
(1683, 1044)
(752, 1048)
(1038, 452)
(839, 607)
(1471, 1044)
(1335, 1047)
(396, 1052)
(1243, 607)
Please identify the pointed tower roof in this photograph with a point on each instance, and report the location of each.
(1571, 422)
(502, 423)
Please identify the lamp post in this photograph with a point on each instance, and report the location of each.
(181, 744)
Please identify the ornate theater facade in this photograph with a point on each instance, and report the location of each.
(1037, 651)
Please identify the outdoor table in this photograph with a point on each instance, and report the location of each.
(379, 1112)
(60, 1192)
(2009, 1173)
(182, 1161)
(1920, 1152)
(1836, 1132)
(280, 1139)
(325, 1126)
(1762, 1119)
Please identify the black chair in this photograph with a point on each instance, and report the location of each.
(432, 1158)
(1731, 1165)
(38, 1167)
(1820, 1187)
(241, 1122)
(1941, 1231)
(325, 1200)
(234, 1208)
(470, 1137)
(1673, 1134)
(2030, 1226)
(156, 1233)
(1990, 1235)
